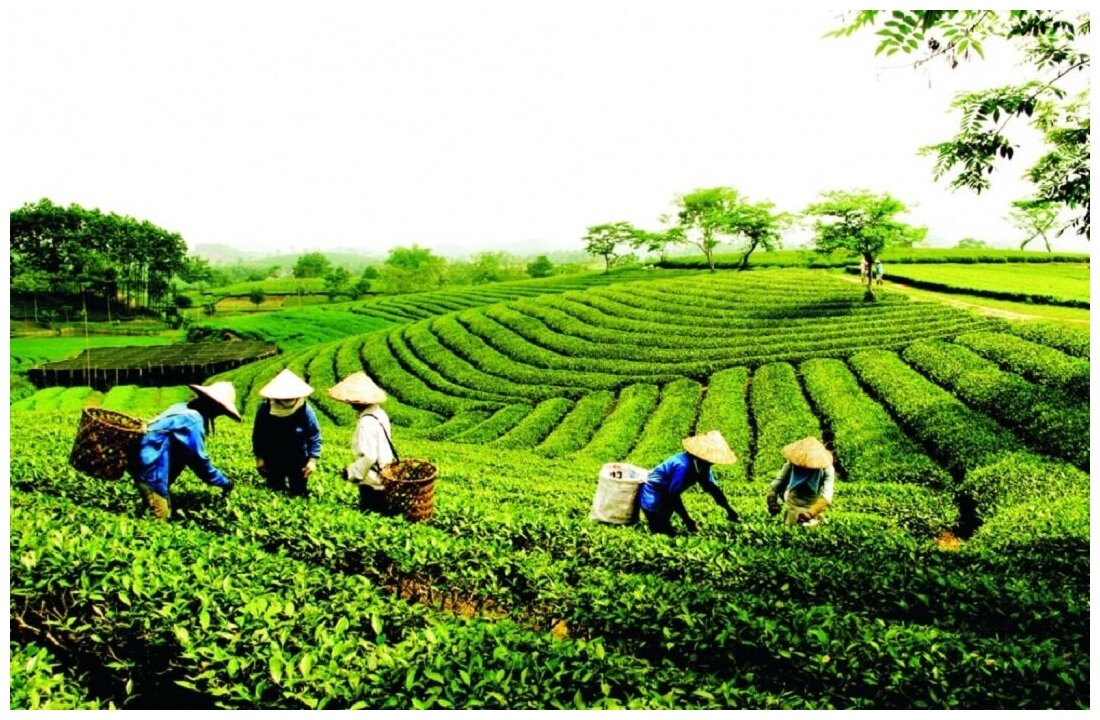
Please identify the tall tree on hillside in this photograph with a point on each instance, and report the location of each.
(540, 267)
(608, 241)
(490, 267)
(1035, 220)
(709, 216)
(1053, 43)
(364, 284)
(311, 265)
(336, 282)
(30, 282)
(412, 269)
(82, 251)
(197, 271)
(861, 223)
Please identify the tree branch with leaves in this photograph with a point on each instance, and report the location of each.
(1052, 45)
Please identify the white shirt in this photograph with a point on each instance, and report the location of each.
(370, 446)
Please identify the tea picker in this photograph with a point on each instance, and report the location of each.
(804, 483)
(659, 494)
(176, 439)
(286, 438)
(387, 485)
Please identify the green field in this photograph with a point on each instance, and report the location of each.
(272, 286)
(1051, 283)
(953, 571)
(892, 256)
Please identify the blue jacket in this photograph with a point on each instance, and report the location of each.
(661, 491)
(286, 442)
(174, 440)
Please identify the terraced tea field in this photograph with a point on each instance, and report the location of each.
(953, 571)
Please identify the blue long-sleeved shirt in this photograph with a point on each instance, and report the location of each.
(661, 491)
(286, 441)
(175, 439)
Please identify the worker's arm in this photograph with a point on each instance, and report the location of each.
(777, 487)
(712, 489)
(676, 505)
(191, 436)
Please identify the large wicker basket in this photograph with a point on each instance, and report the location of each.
(409, 488)
(104, 442)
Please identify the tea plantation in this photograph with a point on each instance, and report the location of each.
(953, 571)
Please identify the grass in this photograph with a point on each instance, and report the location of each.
(806, 257)
(1063, 281)
(1076, 317)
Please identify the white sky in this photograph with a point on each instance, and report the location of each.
(466, 126)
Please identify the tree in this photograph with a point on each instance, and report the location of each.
(1050, 41)
(256, 296)
(311, 265)
(540, 267)
(410, 269)
(1035, 220)
(969, 243)
(30, 282)
(755, 225)
(336, 282)
(490, 267)
(196, 271)
(362, 286)
(861, 223)
(606, 241)
(82, 251)
(709, 216)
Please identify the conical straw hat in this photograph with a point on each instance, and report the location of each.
(286, 386)
(224, 394)
(357, 388)
(808, 453)
(711, 447)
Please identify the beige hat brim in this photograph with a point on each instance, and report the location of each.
(808, 453)
(225, 397)
(711, 447)
(359, 389)
(286, 386)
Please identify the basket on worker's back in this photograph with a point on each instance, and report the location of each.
(616, 500)
(104, 442)
(409, 488)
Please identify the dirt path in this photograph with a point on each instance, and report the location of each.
(983, 309)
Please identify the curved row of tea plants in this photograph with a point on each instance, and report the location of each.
(274, 602)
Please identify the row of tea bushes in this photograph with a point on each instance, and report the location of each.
(1046, 419)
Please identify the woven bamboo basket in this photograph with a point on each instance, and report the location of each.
(409, 488)
(104, 442)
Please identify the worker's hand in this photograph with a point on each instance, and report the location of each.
(773, 503)
(226, 489)
(694, 525)
(261, 467)
(805, 517)
(732, 516)
(310, 467)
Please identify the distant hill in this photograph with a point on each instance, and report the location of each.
(354, 260)
(219, 254)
